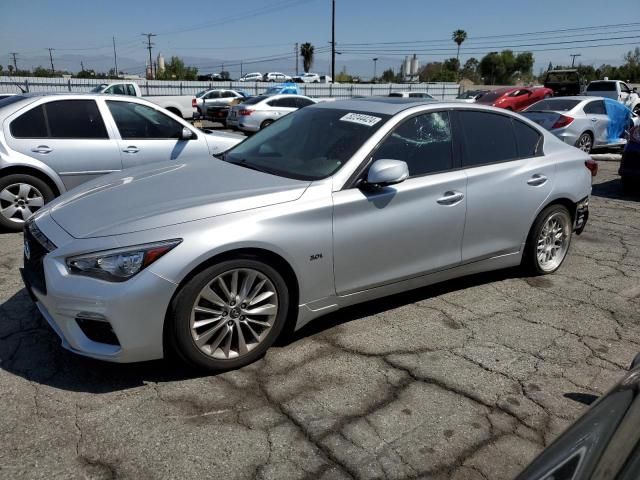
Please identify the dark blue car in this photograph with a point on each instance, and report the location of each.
(630, 164)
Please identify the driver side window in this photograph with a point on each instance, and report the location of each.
(136, 121)
(423, 142)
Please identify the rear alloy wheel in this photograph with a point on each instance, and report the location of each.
(549, 240)
(265, 124)
(585, 142)
(20, 197)
(228, 315)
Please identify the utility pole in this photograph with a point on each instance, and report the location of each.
(333, 40)
(573, 58)
(240, 68)
(375, 60)
(81, 66)
(15, 64)
(115, 57)
(149, 45)
(297, 54)
(53, 70)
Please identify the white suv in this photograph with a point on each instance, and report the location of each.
(251, 77)
(276, 77)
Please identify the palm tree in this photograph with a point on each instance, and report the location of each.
(459, 36)
(306, 51)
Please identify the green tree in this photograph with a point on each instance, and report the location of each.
(388, 76)
(40, 71)
(470, 70)
(505, 68)
(306, 52)
(458, 36)
(10, 69)
(1, 68)
(175, 69)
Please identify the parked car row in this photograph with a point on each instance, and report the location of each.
(259, 112)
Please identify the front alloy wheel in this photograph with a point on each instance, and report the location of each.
(229, 314)
(20, 197)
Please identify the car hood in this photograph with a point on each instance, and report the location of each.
(168, 193)
(219, 142)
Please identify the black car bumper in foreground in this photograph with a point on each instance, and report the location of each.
(630, 164)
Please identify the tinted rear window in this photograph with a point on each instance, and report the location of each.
(601, 87)
(558, 105)
(75, 119)
(30, 124)
(254, 100)
(492, 96)
(562, 77)
(489, 138)
(528, 140)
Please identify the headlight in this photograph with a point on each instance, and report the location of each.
(119, 264)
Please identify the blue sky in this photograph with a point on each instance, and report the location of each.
(208, 33)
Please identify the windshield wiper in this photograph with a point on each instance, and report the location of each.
(243, 163)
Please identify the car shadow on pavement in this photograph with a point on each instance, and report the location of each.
(613, 189)
(381, 305)
(30, 349)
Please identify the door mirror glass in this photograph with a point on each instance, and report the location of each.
(186, 134)
(387, 172)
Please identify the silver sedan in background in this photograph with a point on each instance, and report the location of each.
(332, 205)
(579, 121)
(261, 111)
(50, 143)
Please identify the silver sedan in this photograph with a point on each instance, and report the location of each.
(332, 205)
(50, 143)
(579, 121)
(261, 111)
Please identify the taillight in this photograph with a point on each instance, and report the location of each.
(194, 103)
(634, 135)
(245, 111)
(563, 121)
(592, 165)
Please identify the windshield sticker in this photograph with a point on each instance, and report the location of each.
(361, 119)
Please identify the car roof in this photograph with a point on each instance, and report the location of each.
(384, 105)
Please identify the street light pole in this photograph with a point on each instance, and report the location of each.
(333, 40)
(573, 58)
(374, 69)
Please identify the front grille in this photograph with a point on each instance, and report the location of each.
(37, 245)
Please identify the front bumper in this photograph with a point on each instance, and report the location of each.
(134, 310)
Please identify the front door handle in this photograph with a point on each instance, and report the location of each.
(450, 198)
(537, 180)
(41, 149)
(131, 149)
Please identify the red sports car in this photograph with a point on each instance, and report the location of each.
(515, 98)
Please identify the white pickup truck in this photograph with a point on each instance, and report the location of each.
(616, 90)
(181, 105)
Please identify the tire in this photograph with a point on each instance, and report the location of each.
(29, 195)
(214, 354)
(585, 142)
(265, 124)
(531, 259)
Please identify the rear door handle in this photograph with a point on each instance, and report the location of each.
(450, 198)
(41, 149)
(131, 149)
(594, 120)
(537, 180)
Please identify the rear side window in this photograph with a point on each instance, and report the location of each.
(488, 138)
(601, 87)
(528, 140)
(131, 91)
(595, 108)
(73, 119)
(303, 102)
(423, 142)
(30, 124)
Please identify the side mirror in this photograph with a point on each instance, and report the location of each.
(634, 89)
(186, 134)
(387, 172)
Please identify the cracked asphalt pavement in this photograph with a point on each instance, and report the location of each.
(465, 380)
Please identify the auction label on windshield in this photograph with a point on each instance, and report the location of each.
(361, 118)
